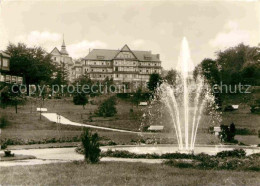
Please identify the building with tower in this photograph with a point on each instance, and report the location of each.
(62, 58)
(125, 66)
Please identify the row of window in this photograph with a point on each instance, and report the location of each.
(131, 69)
(97, 63)
(149, 64)
(101, 75)
(11, 79)
(135, 76)
(125, 55)
(120, 76)
(149, 71)
(120, 69)
(99, 70)
(125, 63)
(125, 69)
(122, 62)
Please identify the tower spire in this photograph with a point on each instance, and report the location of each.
(63, 42)
(63, 47)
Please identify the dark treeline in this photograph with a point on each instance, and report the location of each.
(239, 64)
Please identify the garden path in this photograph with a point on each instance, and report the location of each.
(54, 117)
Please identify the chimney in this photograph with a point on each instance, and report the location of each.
(158, 56)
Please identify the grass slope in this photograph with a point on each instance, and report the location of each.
(26, 125)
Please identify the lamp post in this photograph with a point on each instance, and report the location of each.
(58, 124)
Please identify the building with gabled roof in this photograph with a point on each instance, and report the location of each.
(62, 58)
(5, 76)
(124, 65)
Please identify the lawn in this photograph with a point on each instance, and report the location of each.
(27, 125)
(28, 118)
(115, 173)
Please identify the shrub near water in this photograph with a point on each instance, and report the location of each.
(239, 153)
(229, 160)
(127, 154)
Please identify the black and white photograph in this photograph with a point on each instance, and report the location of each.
(130, 92)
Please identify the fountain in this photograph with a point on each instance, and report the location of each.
(186, 94)
(186, 102)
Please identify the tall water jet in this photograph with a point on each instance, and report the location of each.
(184, 60)
(186, 100)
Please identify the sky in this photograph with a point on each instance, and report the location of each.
(157, 26)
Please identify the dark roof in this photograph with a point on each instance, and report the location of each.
(106, 54)
(144, 55)
(4, 54)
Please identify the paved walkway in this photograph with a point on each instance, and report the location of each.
(64, 121)
(60, 155)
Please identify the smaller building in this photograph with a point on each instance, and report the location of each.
(5, 70)
(62, 59)
(77, 70)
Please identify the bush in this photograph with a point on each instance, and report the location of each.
(127, 154)
(208, 163)
(80, 99)
(3, 145)
(179, 164)
(202, 157)
(239, 153)
(17, 141)
(90, 143)
(177, 156)
(232, 164)
(107, 108)
(3, 122)
(231, 160)
(227, 134)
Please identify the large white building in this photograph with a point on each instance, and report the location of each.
(124, 66)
